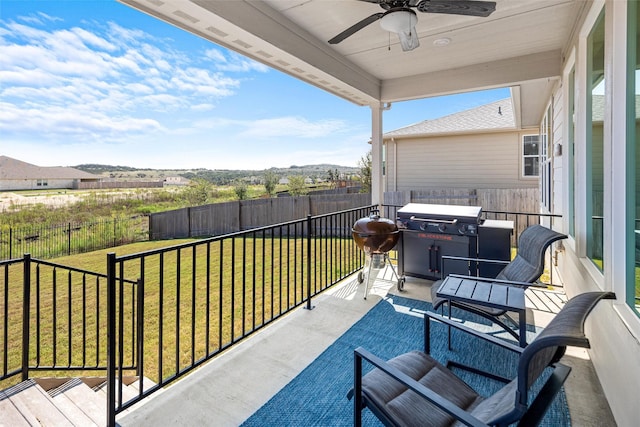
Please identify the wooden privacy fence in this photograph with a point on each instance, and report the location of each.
(224, 218)
(520, 205)
(508, 199)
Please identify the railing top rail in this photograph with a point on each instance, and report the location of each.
(343, 212)
(78, 270)
(229, 235)
(11, 261)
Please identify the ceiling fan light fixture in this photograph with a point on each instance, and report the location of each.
(409, 40)
(402, 22)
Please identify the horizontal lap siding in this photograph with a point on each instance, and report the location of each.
(466, 161)
(523, 200)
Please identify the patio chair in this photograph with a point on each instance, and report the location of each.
(523, 271)
(414, 389)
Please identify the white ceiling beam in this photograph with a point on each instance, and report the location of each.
(263, 22)
(504, 73)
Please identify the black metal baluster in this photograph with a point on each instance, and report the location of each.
(208, 302)
(5, 320)
(140, 327)
(243, 308)
(84, 320)
(194, 268)
(98, 334)
(69, 320)
(221, 295)
(264, 278)
(233, 288)
(54, 321)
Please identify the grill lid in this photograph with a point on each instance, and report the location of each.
(374, 234)
(467, 214)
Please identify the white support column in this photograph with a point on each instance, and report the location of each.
(377, 190)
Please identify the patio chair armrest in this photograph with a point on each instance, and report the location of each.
(445, 405)
(500, 281)
(439, 318)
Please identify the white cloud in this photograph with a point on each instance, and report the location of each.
(293, 127)
(100, 92)
(92, 80)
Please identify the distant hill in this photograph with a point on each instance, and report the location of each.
(219, 176)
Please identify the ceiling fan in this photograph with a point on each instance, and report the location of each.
(400, 18)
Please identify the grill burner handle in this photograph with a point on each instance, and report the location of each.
(442, 221)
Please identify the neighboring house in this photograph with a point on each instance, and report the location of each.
(477, 148)
(176, 180)
(19, 175)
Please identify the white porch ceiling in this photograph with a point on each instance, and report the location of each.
(521, 45)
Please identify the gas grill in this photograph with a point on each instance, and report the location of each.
(429, 232)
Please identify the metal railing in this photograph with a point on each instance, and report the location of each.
(50, 241)
(167, 311)
(195, 300)
(53, 318)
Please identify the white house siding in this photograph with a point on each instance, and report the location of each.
(484, 160)
(32, 184)
(557, 177)
(614, 334)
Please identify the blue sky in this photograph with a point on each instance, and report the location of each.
(98, 82)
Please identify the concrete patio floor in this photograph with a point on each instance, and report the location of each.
(230, 388)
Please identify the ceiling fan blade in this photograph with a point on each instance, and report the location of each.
(356, 27)
(458, 7)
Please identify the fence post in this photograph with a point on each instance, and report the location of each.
(309, 306)
(111, 339)
(69, 239)
(26, 303)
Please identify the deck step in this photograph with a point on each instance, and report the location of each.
(79, 399)
(62, 401)
(33, 404)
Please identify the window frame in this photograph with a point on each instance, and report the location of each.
(528, 156)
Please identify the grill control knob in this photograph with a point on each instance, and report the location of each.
(462, 229)
(442, 228)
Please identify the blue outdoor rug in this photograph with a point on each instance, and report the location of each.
(317, 396)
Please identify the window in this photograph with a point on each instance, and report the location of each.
(595, 144)
(530, 155)
(633, 161)
(42, 183)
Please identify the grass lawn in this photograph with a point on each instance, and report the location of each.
(198, 300)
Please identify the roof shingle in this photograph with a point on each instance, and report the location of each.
(16, 169)
(497, 115)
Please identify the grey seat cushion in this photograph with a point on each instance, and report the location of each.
(408, 408)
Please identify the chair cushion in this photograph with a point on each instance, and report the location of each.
(498, 405)
(407, 407)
